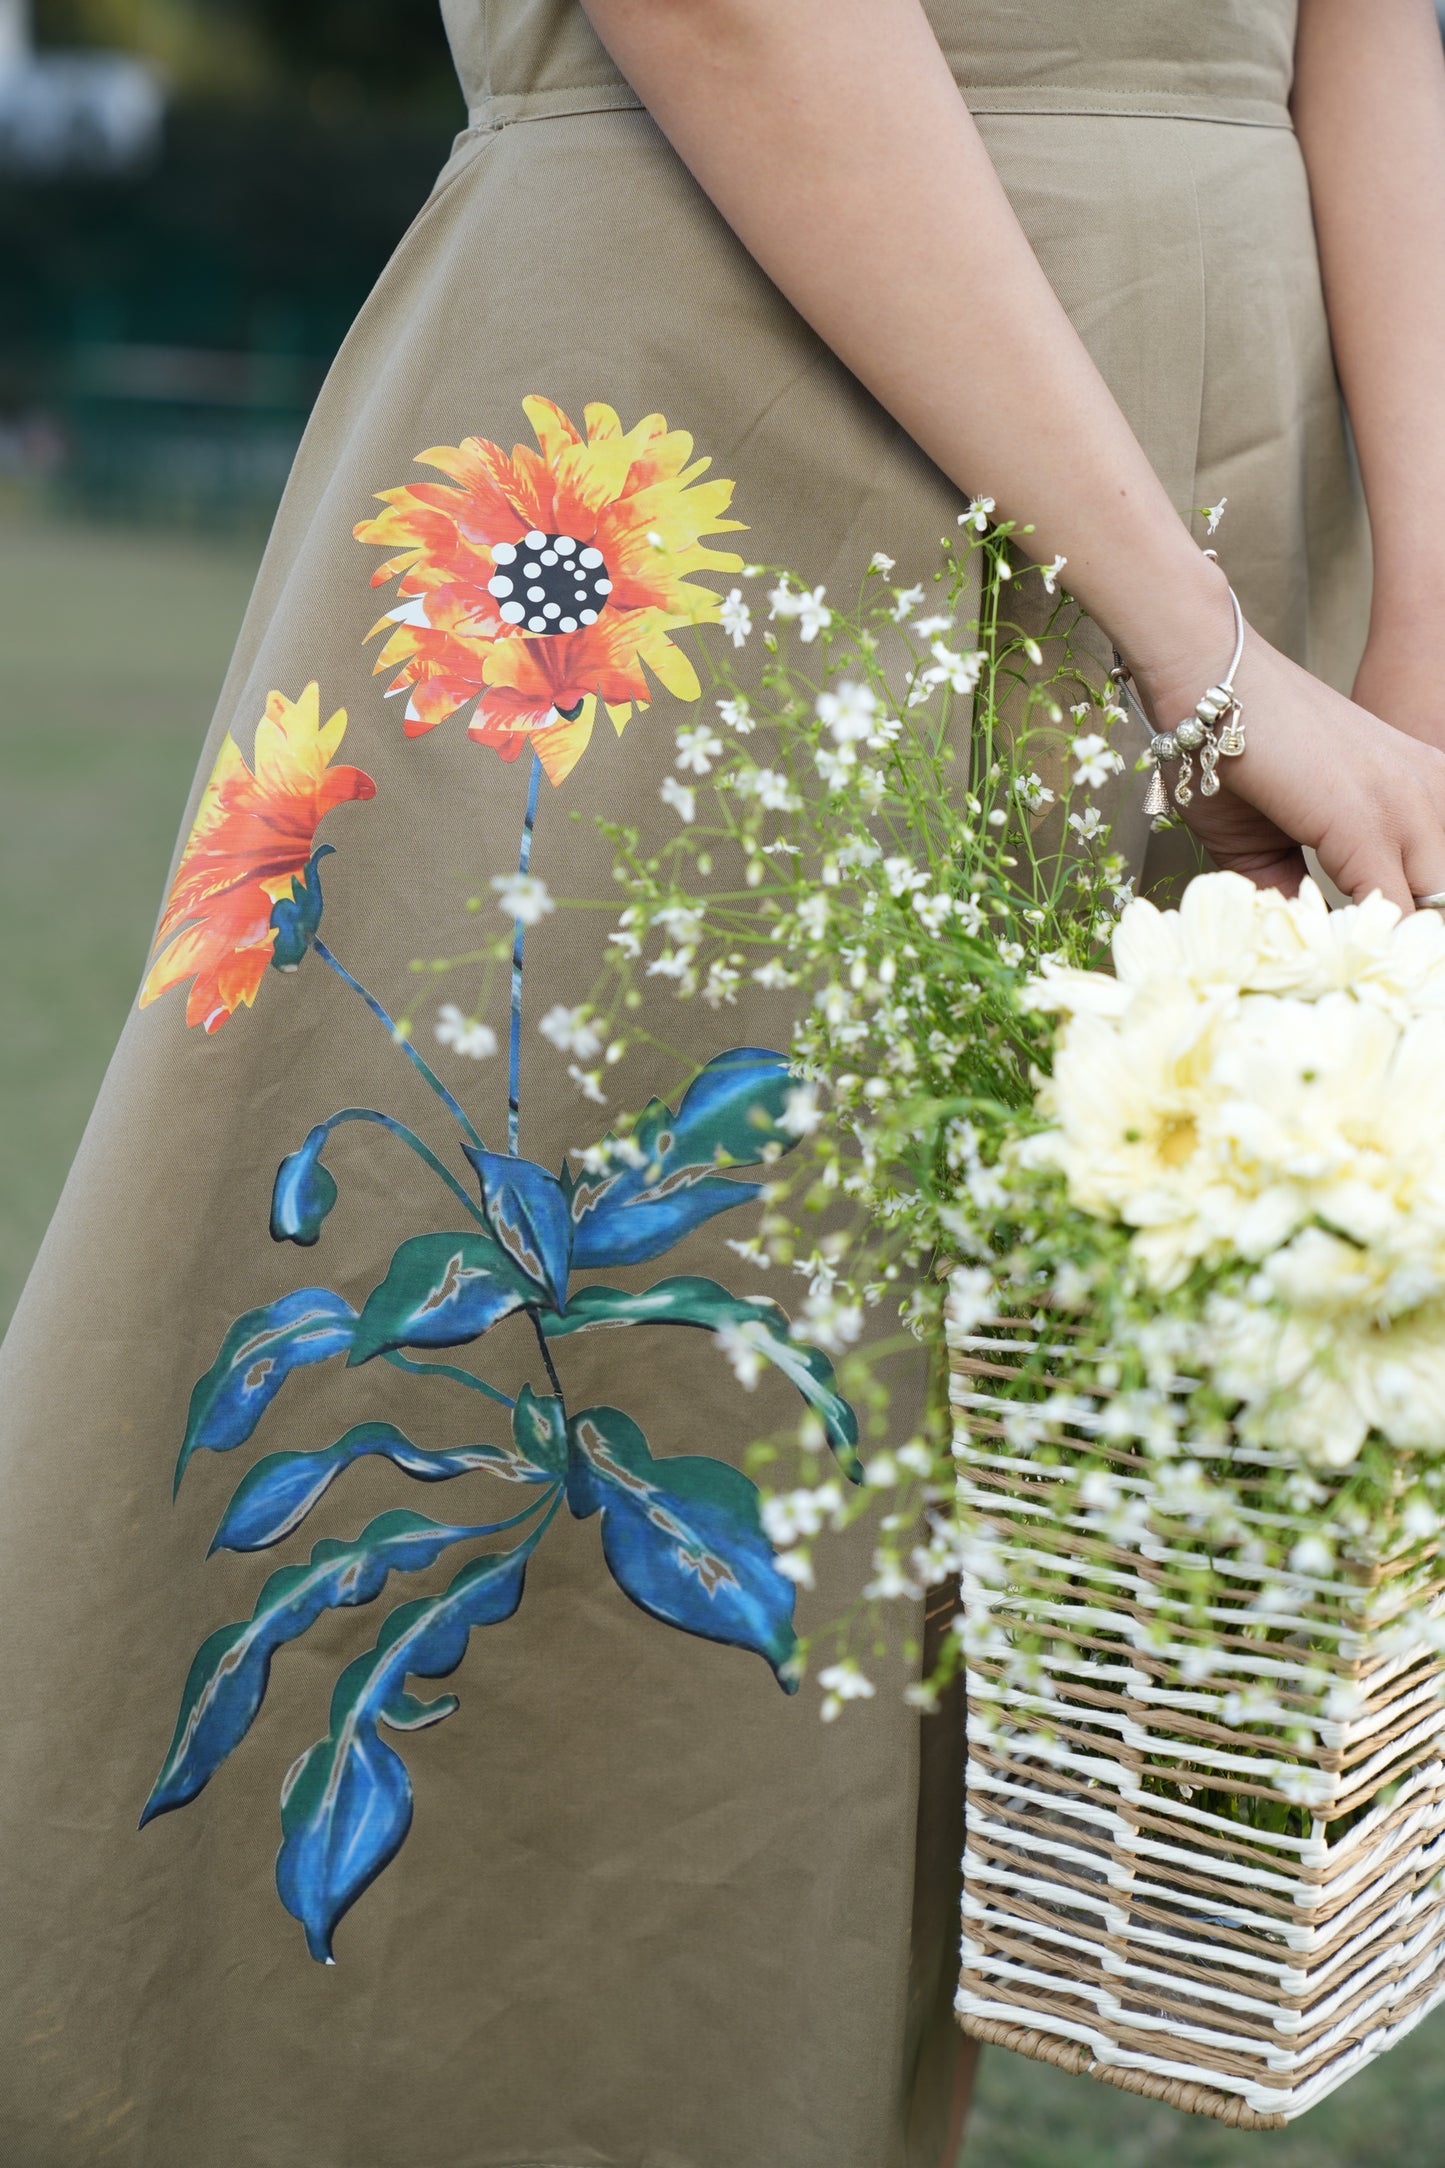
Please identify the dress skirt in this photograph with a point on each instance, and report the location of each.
(564, 1879)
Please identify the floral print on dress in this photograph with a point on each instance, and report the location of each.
(251, 847)
(537, 583)
(681, 1533)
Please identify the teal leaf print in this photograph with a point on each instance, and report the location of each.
(527, 1212)
(664, 1179)
(346, 1805)
(440, 1291)
(228, 1679)
(273, 1498)
(756, 1323)
(683, 1538)
(255, 1359)
(539, 1435)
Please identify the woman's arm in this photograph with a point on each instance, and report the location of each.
(832, 137)
(1369, 108)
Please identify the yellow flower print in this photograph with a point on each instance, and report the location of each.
(536, 583)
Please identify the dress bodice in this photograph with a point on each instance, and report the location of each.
(1212, 59)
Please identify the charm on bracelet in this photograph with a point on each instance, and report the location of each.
(1214, 732)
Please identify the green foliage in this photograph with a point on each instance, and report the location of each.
(342, 54)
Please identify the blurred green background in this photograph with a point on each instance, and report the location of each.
(195, 198)
(164, 323)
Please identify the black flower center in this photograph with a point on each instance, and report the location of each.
(549, 582)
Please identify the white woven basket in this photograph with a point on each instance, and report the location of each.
(1111, 1927)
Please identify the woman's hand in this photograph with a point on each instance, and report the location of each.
(1320, 770)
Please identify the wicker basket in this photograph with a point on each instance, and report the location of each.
(1111, 1927)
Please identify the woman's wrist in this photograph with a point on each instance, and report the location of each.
(1407, 603)
(1186, 643)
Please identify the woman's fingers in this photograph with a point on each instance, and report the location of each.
(1415, 867)
(1281, 868)
(1367, 873)
(1425, 863)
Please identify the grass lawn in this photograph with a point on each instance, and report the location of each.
(113, 646)
(1027, 2115)
(112, 649)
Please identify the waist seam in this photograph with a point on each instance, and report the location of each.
(505, 108)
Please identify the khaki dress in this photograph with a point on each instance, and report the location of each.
(629, 1905)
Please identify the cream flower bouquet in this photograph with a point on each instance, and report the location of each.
(1201, 1490)
(1260, 1081)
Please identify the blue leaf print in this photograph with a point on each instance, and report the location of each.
(663, 1181)
(527, 1211)
(228, 1678)
(440, 1291)
(758, 1325)
(683, 1538)
(274, 1497)
(346, 1805)
(255, 1359)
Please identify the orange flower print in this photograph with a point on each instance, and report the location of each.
(249, 849)
(536, 584)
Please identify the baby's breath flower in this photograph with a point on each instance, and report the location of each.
(738, 716)
(571, 1031)
(455, 1029)
(735, 617)
(806, 605)
(697, 749)
(523, 896)
(802, 1112)
(681, 797)
(1095, 761)
(1032, 791)
(843, 1682)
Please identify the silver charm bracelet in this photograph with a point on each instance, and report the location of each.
(1215, 731)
